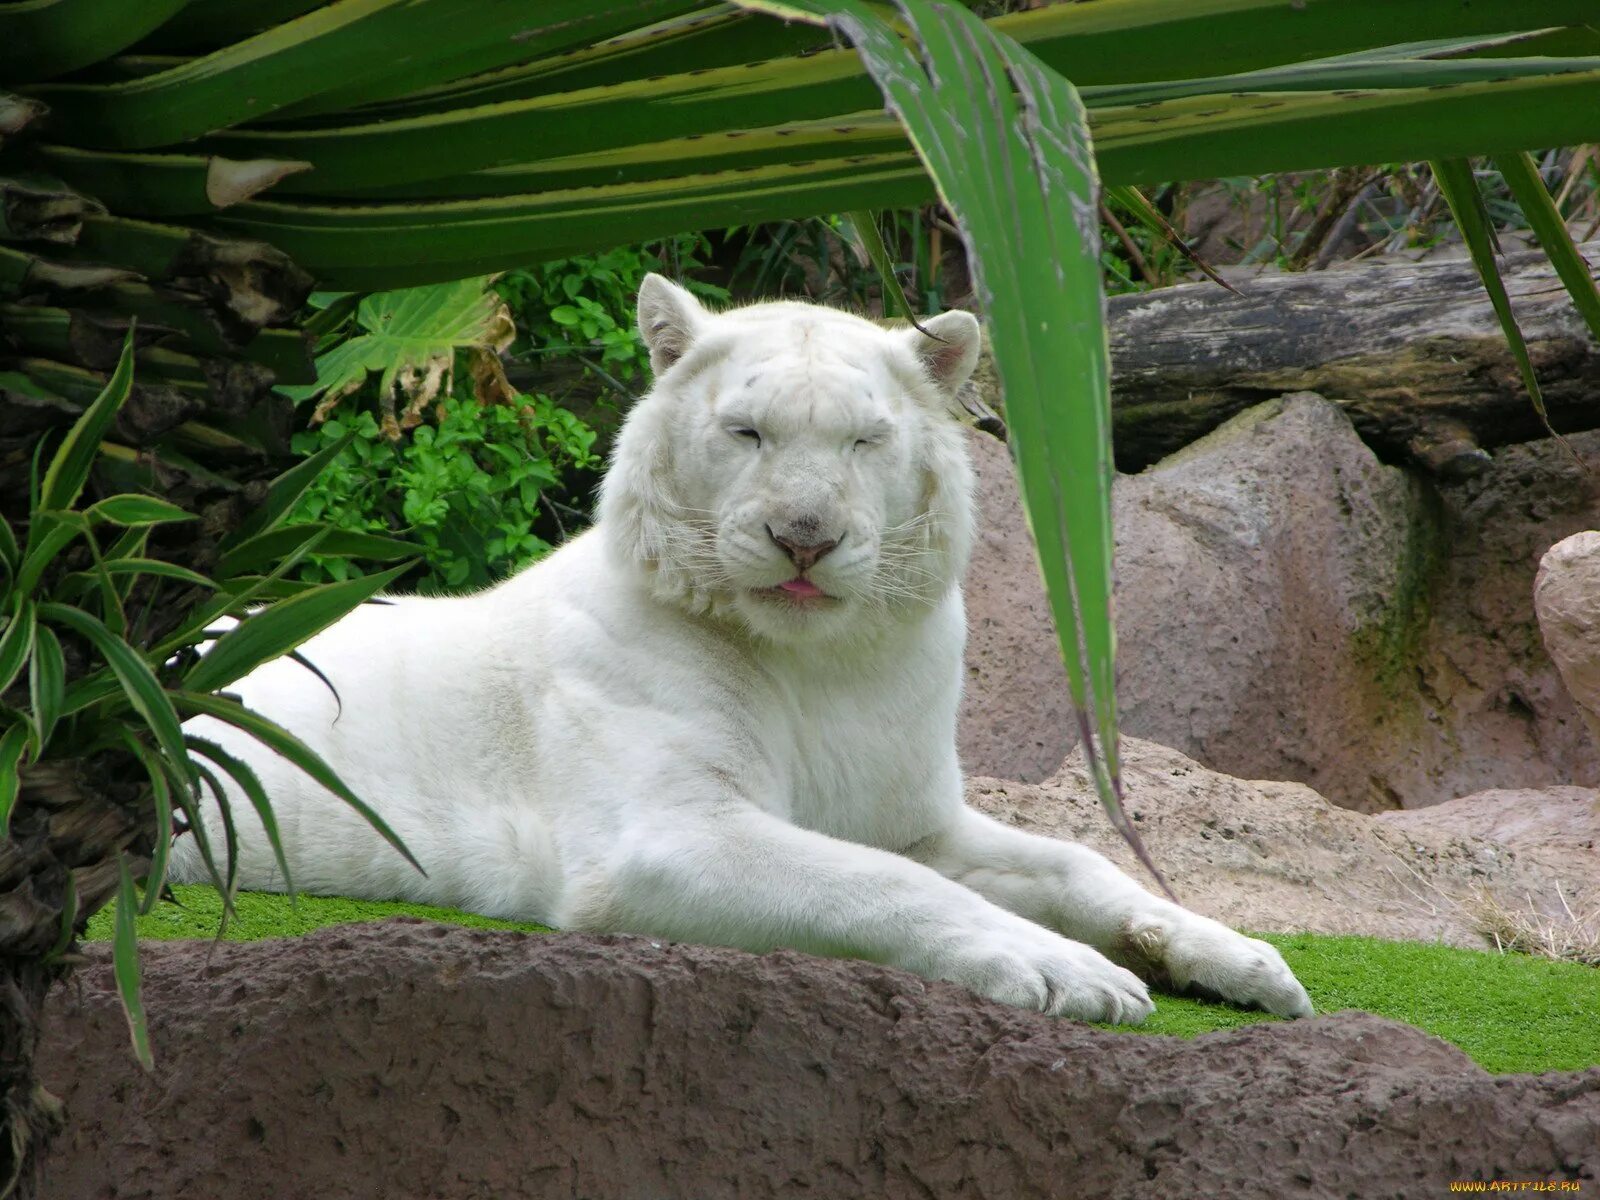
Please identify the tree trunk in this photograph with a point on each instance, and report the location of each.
(1412, 351)
(72, 822)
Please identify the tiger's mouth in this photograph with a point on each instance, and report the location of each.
(798, 592)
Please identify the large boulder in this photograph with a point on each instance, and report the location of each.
(405, 1059)
(1276, 856)
(1289, 607)
(1566, 595)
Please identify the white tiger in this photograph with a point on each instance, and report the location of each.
(726, 713)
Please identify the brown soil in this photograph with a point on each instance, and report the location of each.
(411, 1060)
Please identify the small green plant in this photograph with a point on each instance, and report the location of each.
(437, 446)
(466, 486)
(583, 308)
(86, 627)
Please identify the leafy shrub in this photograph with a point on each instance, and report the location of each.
(481, 476)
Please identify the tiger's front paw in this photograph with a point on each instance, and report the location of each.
(1189, 952)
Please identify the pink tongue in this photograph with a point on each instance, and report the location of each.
(801, 587)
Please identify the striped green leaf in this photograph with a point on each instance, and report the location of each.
(125, 964)
(279, 628)
(161, 849)
(12, 744)
(282, 495)
(269, 547)
(16, 639)
(284, 743)
(250, 784)
(1460, 190)
(139, 685)
(69, 468)
(41, 38)
(1545, 221)
(133, 509)
(47, 686)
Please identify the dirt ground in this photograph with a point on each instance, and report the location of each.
(410, 1060)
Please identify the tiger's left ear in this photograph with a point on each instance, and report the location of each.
(950, 355)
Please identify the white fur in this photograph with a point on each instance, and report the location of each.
(636, 734)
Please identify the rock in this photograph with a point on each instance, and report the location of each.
(408, 1059)
(1289, 607)
(1273, 856)
(1559, 818)
(1566, 596)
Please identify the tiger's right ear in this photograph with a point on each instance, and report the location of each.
(669, 320)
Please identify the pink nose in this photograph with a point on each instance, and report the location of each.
(803, 555)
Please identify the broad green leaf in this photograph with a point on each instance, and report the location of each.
(282, 493)
(284, 743)
(1460, 190)
(137, 510)
(125, 964)
(279, 628)
(273, 545)
(250, 784)
(47, 685)
(12, 743)
(404, 332)
(69, 469)
(1006, 141)
(16, 642)
(42, 38)
(1540, 209)
(146, 696)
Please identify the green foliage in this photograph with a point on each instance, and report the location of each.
(477, 479)
(583, 308)
(85, 577)
(403, 333)
(466, 488)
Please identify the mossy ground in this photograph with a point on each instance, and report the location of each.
(1509, 1012)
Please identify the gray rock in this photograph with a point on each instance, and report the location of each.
(1566, 596)
(1289, 607)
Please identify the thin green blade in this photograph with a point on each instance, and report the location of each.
(281, 627)
(280, 740)
(1459, 188)
(125, 965)
(1543, 218)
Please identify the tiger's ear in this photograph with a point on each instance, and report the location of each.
(951, 353)
(669, 320)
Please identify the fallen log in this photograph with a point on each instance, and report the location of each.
(1412, 351)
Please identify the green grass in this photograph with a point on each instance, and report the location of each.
(258, 915)
(1508, 1012)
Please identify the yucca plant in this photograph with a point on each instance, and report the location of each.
(196, 165)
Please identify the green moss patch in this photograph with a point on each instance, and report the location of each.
(258, 915)
(1509, 1012)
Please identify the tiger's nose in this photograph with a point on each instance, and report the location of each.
(804, 555)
